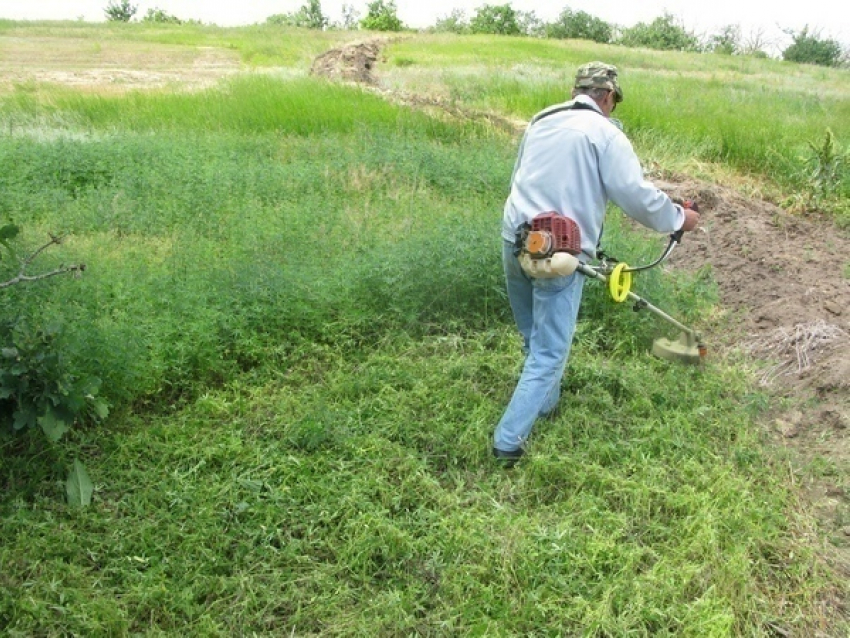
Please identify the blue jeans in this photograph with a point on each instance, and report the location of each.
(545, 311)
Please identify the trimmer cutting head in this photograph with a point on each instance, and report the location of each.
(686, 349)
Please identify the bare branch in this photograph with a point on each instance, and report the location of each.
(23, 277)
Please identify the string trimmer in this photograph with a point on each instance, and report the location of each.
(549, 247)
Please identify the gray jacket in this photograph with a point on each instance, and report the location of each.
(573, 162)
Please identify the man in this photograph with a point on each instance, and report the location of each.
(572, 160)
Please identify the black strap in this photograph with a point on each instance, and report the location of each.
(574, 106)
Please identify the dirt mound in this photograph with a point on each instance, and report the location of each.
(353, 62)
(782, 278)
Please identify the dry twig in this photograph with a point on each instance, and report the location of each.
(22, 275)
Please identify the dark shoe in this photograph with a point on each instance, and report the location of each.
(508, 459)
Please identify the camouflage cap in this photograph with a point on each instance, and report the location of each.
(598, 75)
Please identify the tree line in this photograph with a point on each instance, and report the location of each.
(665, 32)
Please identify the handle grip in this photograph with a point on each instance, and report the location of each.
(688, 204)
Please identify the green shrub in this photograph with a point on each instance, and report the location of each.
(810, 48)
(496, 20)
(309, 16)
(664, 33)
(381, 16)
(120, 10)
(579, 25)
(454, 22)
(159, 16)
(38, 387)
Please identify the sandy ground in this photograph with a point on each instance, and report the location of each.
(110, 66)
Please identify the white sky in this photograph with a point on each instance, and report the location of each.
(770, 18)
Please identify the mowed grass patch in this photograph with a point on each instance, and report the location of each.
(257, 45)
(353, 494)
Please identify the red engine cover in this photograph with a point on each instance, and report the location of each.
(566, 236)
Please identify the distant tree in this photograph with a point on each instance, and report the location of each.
(350, 18)
(664, 34)
(810, 48)
(160, 16)
(120, 11)
(579, 25)
(309, 16)
(755, 43)
(496, 19)
(531, 24)
(454, 22)
(727, 41)
(381, 15)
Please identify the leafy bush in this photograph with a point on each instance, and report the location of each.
(120, 11)
(382, 16)
(161, 17)
(579, 25)
(664, 33)
(809, 48)
(309, 16)
(38, 388)
(496, 19)
(727, 41)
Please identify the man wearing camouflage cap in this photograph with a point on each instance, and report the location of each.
(573, 159)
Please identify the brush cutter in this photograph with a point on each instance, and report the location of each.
(549, 247)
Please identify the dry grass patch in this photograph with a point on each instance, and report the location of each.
(113, 66)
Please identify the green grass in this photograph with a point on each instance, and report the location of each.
(294, 301)
(754, 115)
(351, 494)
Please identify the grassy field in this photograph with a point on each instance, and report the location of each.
(293, 302)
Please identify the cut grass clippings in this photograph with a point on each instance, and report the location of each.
(355, 495)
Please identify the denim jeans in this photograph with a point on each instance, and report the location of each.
(545, 311)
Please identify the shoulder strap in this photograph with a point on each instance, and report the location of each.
(574, 106)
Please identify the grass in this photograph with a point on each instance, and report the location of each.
(294, 301)
(705, 105)
(351, 494)
(258, 45)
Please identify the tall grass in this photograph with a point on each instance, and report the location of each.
(294, 300)
(757, 116)
(213, 236)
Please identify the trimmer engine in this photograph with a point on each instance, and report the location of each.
(551, 233)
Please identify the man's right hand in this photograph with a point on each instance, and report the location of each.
(691, 219)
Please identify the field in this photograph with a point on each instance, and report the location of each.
(292, 305)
